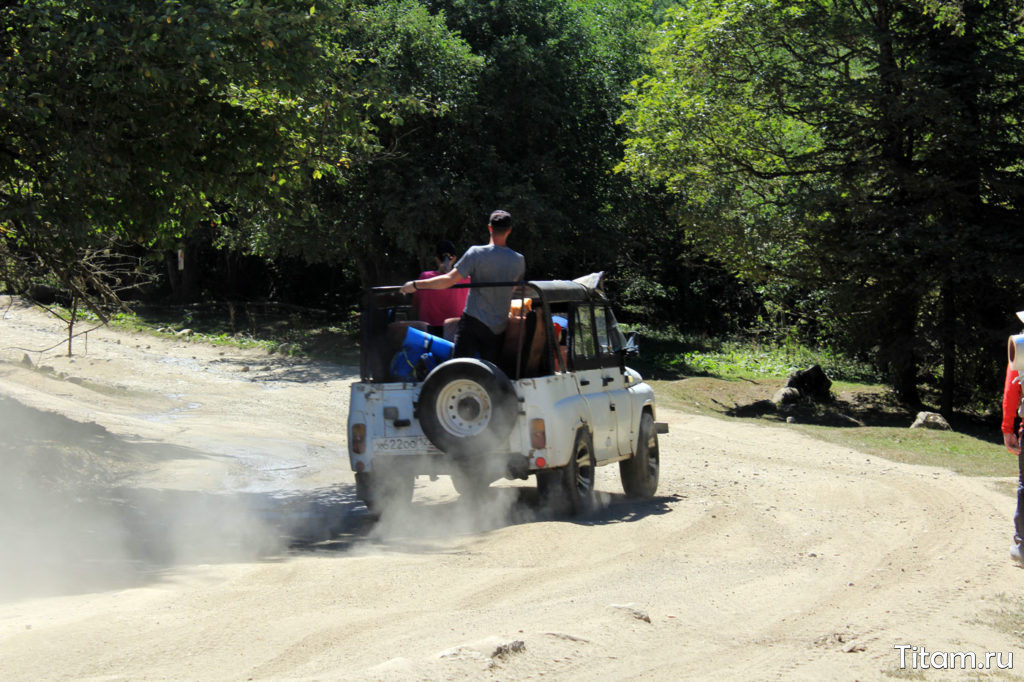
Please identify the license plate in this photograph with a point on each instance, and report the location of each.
(408, 445)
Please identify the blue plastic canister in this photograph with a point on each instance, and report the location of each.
(416, 343)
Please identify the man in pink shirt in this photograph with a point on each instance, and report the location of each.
(434, 306)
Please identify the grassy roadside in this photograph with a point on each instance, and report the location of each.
(736, 380)
(275, 328)
(862, 417)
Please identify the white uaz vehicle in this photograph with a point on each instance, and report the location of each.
(560, 403)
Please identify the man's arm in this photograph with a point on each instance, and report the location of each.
(448, 279)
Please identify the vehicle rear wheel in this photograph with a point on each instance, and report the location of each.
(639, 473)
(384, 489)
(570, 489)
(467, 407)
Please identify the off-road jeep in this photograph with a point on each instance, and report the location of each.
(558, 404)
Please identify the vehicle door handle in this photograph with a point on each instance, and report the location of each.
(612, 407)
(607, 380)
(584, 382)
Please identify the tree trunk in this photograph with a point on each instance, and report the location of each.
(904, 378)
(71, 321)
(898, 342)
(185, 281)
(947, 331)
(965, 206)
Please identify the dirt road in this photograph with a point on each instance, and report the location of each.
(173, 510)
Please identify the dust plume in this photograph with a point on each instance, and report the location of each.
(70, 520)
(486, 510)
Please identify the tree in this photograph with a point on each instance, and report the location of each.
(541, 137)
(140, 120)
(532, 96)
(851, 147)
(375, 215)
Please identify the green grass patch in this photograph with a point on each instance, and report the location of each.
(863, 417)
(960, 452)
(669, 355)
(738, 378)
(276, 328)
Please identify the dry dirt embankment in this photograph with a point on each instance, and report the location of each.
(174, 510)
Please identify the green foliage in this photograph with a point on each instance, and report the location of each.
(855, 157)
(535, 134)
(660, 9)
(846, 174)
(141, 114)
(364, 219)
(141, 120)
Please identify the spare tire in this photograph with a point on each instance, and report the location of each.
(467, 406)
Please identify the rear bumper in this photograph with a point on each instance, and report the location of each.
(495, 466)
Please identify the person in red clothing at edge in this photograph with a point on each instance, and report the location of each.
(434, 306)
(1012, 440)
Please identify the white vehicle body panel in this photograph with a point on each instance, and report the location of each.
(559, 400)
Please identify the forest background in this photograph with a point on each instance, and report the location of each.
(843, 174)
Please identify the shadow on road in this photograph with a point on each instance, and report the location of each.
(420, 526)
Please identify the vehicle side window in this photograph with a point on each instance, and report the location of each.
(583, 334)
(606, 341)
(618, 338)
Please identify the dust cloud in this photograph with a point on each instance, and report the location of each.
(473, 513)
(71, 520)
(486, 510)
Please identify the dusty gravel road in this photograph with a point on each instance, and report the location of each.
(171, 510)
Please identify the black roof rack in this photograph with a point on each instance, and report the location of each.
(551, 291)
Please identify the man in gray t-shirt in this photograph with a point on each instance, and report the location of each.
(486, 314)
(491, 263)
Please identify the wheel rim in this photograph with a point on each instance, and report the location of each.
(463, 408)
(584, 471)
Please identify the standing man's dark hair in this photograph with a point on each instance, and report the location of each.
(486, 314)
(501, 221)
